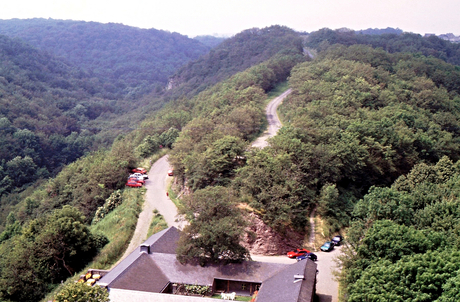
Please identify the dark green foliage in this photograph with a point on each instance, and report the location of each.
(419, 277)
(391, 42)
(49, 250)
(368, 125)
(271, 183)
(236, 54)
(114, 200)
(209, 148)
(416, 253)
(123, 60)
(216, 228)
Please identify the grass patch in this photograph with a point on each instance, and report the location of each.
(118, 226)
(158, 223)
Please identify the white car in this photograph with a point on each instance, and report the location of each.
(140, 176)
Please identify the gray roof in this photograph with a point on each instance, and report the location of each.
(296, 283)
(143, 275)
(152, 272)
(247, 271)
(167, 237)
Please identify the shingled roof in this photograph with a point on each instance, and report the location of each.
(153, 266)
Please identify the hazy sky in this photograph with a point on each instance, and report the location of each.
(216, 17)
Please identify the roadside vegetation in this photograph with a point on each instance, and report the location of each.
(370, 138)
(158, 224)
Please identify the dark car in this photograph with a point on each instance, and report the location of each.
(337, 240)
(327, 246)
(307, 256)
(297, 253)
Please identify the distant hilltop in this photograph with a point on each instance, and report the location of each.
(450, 37)
(378, 31)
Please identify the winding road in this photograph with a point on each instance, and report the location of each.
(274, 123)
(156, 198)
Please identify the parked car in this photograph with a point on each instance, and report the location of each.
(327, 246)
(133, 184)
(140, 175)
(140, 170)
(171, 172)
(337, 240)
(297, 253)
(135, 178)
(311, 256)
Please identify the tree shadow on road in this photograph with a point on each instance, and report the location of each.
(323, 298)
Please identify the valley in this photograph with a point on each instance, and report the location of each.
(368, 139)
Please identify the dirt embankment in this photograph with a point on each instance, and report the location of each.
(263, 240)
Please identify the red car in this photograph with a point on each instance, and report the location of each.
(134, 184)
(171, 172)
(140, 170)
(297, 253)
(133, 178)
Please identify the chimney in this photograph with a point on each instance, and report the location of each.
(145, 248)
(298, 278)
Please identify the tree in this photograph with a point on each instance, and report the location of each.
(215, 230)
(21, 170)
(81, 292)
(62, 243)
(419, 277)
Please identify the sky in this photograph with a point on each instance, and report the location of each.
(226, 18)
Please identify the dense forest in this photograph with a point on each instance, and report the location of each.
(127, 61)
(370, 139)
(75, 90)
(256, 45)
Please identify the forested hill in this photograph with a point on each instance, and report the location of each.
(43, 104)
(246, 49)
(129, 61)
(359, 120)
(391, 42)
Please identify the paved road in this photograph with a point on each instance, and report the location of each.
(156, 192)
(155, 198)
(274, 123)
(327, 287)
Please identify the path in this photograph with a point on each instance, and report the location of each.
(155, 198)
(274, 123)
(327, 286)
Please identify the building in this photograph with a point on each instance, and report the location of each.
(152, 273)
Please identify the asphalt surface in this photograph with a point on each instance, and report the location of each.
(155, 198)
(327, 288)
(274, 123)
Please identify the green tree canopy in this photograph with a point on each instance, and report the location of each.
(215, 230)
